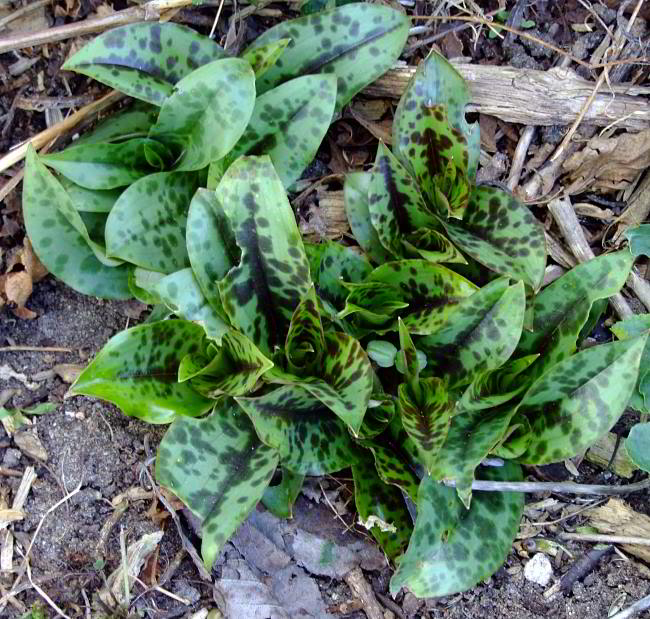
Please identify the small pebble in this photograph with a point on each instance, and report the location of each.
(539, 569)
(12, 458)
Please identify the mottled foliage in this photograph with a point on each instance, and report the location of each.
(279, 498)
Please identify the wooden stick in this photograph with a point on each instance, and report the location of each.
(608, 539)
(519, 157)
(635, 609)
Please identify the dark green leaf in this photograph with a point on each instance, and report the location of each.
(207, 112)
(432, 245)
(380, 412)
(310, 439)
(305, 344)
(60, 239)
(451, 548)
(138, 368)
(637, 445)
(357, 43)
(279, 499)
(144, 60)
(218, 468)
(264, 57)
(147, 224)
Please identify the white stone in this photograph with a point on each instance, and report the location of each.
(539, 569)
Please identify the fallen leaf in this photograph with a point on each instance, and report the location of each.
(29, 443)
(68, 372)
(18, 287)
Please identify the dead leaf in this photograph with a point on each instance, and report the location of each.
(18, 287)
(29, 443)
(372, 109)
(452, 46)
(23, 269)
(488, 126)
(382, 129)
(68, 372)
(608, 164)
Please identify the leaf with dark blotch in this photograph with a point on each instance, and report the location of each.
(578, 400)
(372, 305)
(339, 41)
(432, 245)
(144, 60)
(147, 224)
(310, 439)
(637, 445)
(235, 368)
(502, 234)
(481, 334)
(279, 499)
(260, 294)
(332, 263)
(207, 112)
(262, 58)
(138, 368)
(451, 548)
(515, 440)
(394, 202)
(181, 293)
(408, 353)
(289, 123)
(380, 412)
(60, 239)
(357, 210)
(218, 467)
(305, 343)
(90, 200)
(381, 509)
(211, 245)
(562, 308)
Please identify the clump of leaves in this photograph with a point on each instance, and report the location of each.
(266, 373)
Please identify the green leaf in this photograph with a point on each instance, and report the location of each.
(380, 412)
(637, 445)
(624, 330)
(264, 57)
(211, 245)
(639, 239)
(181, 293)
(235, 369)
(142, 284)
(103, 165)
(393, 468)
(310, 439)
(147, 224)
(279, 499)
(381, 509)
(408, 355)
(382, 353)
(481, 334)
(289, 123)
(355, 192)
(128, 122)
(578, 400)
(433, 246)
(260, 294)
(60, 238)
(305, 343)
(340, 41)
(90, 200)
(502, 234)
(430, 129)
(451, 548)
(138, 368)
(218, 468)
(207, 112)
(515, 441)
(562, 308)
(144, 60)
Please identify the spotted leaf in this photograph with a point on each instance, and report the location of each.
(381, 509)
(637, 445)
(138, 368)
(260, 294)
(305, 344)
(60, 238)
(481, 334)
(355, 192)
(432, 245)
(380, 412)
(142, 284)
(289, 123)
(279, 498)
(211, 245)
(502, 234)
(90, 200)
(338, 42)
(262, 58)
(373, 306)
(147, 224)
(144, 60)
(207, 112)
(578, 400)
(129, 122)
(181, 293)
(311, 440)
(562, 308)
(218, 468)
(453, 548)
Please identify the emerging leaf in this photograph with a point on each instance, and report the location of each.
(218, 468)
(305, 344)
(279, 499)
(264, 57)
(138, 368)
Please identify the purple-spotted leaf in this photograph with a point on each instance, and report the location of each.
(219, 468)
(453, 548)
(480, 335)
(289, 123)
(357, 211)
(279, 498)
(579, 399)
(147, 224)
(502, 234)
(381, 509)
(207, 112)
(60, 238)
(260, 294)
(144, 60)
(562, 308)
(262, 58)
(310, 439)
(138, 368)
(338, 42)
